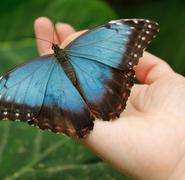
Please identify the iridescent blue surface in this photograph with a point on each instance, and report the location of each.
(106, 44)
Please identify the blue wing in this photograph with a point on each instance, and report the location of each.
(63, 108)
(118, 44)
(40, 93)
(103, 59)
(104, 89)
(22, 89)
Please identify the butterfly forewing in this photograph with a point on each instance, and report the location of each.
(142, 33)
(118, 44)
(22, 89)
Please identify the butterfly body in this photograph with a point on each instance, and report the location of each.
(61, 57)
(90, 78)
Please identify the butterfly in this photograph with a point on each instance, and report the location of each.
(90, 78)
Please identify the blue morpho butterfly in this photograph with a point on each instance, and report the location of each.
(91, 77)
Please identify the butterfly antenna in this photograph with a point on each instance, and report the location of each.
(32, 37)
(44, 40)
(53, 33)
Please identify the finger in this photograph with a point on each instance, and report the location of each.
(63, 31)
(135, 101)
(44, 29)
(151, 68)
(72, 37)
(137, 98)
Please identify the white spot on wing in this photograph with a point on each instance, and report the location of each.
(150, 26)
(119, 23)
(5, 113)
(17, 114)
(135, 55)
(112, 22)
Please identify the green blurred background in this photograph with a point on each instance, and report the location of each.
(29, 153)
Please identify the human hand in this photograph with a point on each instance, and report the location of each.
(148, 140)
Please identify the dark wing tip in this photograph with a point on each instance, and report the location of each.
(136, 23)
(142, 33)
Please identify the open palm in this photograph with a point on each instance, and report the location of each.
(148, 140)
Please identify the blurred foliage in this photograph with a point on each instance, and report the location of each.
(17, 16)
(29, 153)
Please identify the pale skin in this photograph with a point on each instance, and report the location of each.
(148, 141)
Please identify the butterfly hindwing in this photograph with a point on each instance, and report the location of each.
(63, 109)
(104, 89)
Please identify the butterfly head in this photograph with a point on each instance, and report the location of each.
(55, 48)
(59, 53)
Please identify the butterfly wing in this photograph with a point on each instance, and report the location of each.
(63, 108)
(40, 93)
(103, 59)
(104, 89)
(118, 44)
(22, 89)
